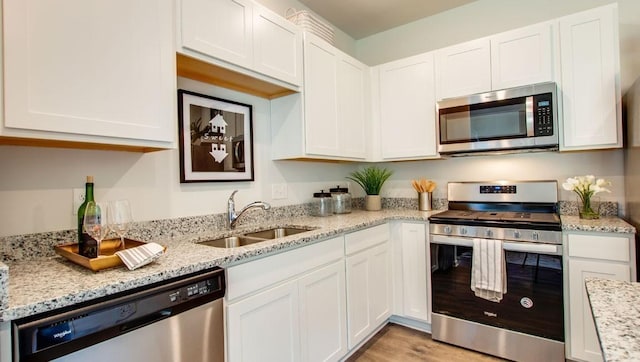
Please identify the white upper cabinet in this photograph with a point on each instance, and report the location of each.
(219, 28)
(328, 120)
(90, 72)
(463, 69)
(510, 59)
(407, 108)
(276, 46)
(522, 57)
(243, 36)
(589, 48)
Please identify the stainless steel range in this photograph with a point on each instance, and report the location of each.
(497, 270)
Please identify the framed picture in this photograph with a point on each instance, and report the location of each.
(216, 139)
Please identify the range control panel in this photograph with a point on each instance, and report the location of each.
(498, 189)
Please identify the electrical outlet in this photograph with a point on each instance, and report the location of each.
(278, 191)
(78, 199)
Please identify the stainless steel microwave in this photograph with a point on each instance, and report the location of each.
(515, 119)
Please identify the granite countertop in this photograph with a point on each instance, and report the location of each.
(605, 224)
(47, 283)
(42, 285)
(616, 311)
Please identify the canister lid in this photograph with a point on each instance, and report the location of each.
(321, 194)
(338, 189)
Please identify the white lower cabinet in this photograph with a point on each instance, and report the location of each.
(591, 255)
(414, 272)
(299, 313)
(265, 327)
(368, 268)
(323, 331)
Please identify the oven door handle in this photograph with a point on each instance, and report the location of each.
(522, 247)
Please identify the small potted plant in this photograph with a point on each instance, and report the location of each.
(371, 180)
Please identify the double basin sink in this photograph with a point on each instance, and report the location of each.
(235, 241)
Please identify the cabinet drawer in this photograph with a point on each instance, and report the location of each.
(255, 275)
(613, 248)
(366, 238)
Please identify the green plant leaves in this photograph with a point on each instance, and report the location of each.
(371, 179)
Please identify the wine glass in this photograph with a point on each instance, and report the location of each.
(119, 218)
(95, 223)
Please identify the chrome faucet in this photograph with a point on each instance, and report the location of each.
(232, 217)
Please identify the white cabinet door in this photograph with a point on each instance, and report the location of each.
(219, 28)
(590, 85)
(265, 327)
(351, 98)
(320, 97)
(323, 315)
(380, 287)
(407, 108)
(414, 271)
(368, 291)
(463, 69)
(584, 344)
(277, 46)
(358, 302)
(91, 70)
(522, 57)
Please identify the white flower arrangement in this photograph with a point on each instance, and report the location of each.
(586, 187)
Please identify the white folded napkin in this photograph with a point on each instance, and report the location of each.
(488, 270)
(140, 255)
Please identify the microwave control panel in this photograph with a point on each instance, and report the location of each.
(543, 115)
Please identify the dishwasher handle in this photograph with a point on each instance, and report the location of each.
(146, 320)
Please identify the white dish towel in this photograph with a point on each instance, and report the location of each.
(488, 270)
(141, 255)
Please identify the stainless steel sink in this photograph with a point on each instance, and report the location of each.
(277, 232)
(231, 242)
(254, 237)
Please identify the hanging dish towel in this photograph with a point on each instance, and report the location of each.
(140, 255)
(488, 270)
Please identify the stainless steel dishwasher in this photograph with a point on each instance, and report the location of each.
(174, 320)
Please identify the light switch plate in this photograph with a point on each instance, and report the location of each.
(278, 191)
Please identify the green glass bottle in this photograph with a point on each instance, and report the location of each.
(86, 245)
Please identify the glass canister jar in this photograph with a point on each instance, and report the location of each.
(322, 204)
(341, 200)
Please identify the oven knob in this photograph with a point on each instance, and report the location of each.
(535, 235)
(516, 234)
(447, 229)
(489, 233)
(463, 231)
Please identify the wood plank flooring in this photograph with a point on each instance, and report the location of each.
(399, 343)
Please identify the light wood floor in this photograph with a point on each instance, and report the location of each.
(398, 343)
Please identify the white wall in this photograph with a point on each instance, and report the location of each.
(36, 183)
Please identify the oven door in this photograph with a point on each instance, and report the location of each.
(533, 303)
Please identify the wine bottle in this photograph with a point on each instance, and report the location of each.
(86, 245)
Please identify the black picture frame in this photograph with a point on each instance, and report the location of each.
(215, 137)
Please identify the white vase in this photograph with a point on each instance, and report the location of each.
(373, 203)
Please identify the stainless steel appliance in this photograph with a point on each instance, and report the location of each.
(175, 320)
(523, 118)
(528, 323)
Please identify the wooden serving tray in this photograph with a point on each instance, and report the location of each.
(108, 259)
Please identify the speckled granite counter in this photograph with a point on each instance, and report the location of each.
(616, 311)
(45, 284)
(36, 285)
(605, 224)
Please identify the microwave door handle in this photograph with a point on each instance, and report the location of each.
(529, 115)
